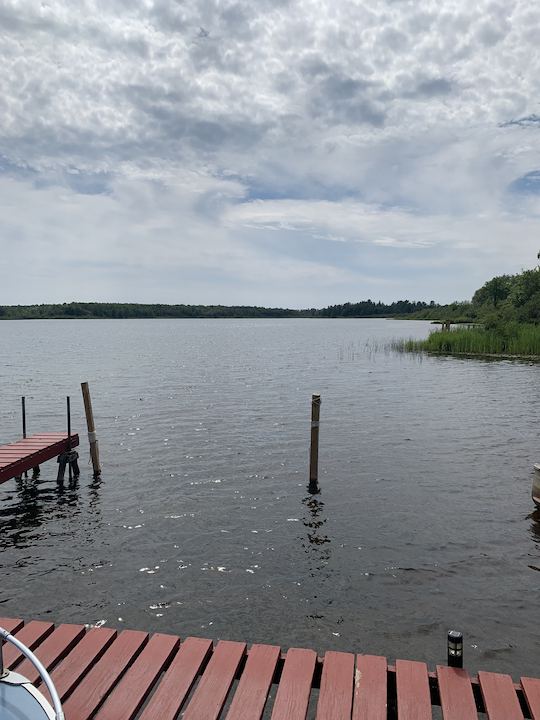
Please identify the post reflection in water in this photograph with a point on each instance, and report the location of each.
(94, 499)
(316, 542)
(316, 545)
(34, 502)
(535, 525)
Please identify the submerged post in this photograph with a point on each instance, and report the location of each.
(94, 448)
(455, 649)
(314, 450)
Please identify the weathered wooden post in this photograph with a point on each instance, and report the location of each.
(94, 448)
(314, 450)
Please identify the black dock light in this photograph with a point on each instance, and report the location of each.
(455, 649)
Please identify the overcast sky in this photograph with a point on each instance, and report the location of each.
(272, 152)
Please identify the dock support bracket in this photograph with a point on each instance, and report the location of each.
(68, 459)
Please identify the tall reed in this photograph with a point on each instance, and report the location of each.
(505, 339)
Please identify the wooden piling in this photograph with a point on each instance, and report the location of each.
(94, 448)
(314, 450)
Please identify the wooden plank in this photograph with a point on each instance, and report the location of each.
(531, 689)
(252, 691)
(370, 688)
(177, 682)
(54, 648)
(25, 445)
(413, 697)
(292, 698)
(31, 635)
(455, 689)
(83, 657)
(500, 698)
(126, 699)
(337, 681)
(211, 692)
(22, 456)
(11, 625)
(96, 685)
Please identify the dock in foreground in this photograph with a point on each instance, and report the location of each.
(132, 675)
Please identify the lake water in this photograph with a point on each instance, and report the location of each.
(202, 523)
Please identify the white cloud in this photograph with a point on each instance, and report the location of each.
(273, 152)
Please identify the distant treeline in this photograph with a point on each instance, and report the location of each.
(368, 308)
(72, 310)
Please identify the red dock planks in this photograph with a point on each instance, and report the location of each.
(336, 694)
(213, 688)
(100, 675)
(92, 646)
(178, 680)
(370, 688)
(97, 684)
(531, 688)
(499, 696)
(413, 697)
(128, 696)
(455, 689)
(19, 457)
(294, 689)
(31, 635)
(252, 691)
(54, 648)
(11, 625)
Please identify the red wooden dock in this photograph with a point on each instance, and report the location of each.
(130, 675)
(23, 455)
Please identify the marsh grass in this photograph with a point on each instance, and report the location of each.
(509, 339)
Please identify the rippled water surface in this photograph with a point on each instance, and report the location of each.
(202, 523)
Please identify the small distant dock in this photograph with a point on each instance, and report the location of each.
(29, 453)
(131, 675)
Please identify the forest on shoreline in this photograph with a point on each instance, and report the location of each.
(503, 318)
(91, 310)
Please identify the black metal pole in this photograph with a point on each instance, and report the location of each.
(68, 402)
(455, 649)
(23, 403)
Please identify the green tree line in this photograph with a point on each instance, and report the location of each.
(503, 299)
(73, 310)
(506, 316)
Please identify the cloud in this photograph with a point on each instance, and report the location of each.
(210, 150)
